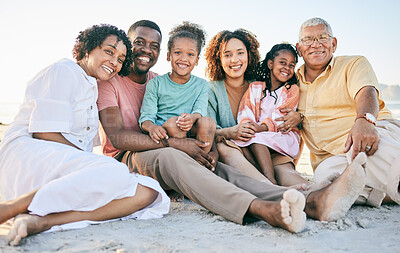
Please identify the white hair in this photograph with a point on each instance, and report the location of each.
(314, 22)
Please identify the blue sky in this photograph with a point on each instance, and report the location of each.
(36, 33)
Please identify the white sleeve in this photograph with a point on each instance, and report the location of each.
(50, 98)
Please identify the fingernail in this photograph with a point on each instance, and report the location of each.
(206, 143)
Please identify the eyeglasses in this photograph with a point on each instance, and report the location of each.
(323, 38)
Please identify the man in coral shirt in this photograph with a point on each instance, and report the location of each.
(345, 115)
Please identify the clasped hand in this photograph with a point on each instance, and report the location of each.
(290, 120)
(185, 121)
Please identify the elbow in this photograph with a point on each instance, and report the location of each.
(115, 139)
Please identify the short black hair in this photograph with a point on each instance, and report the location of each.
(144, 23)
(94, 36)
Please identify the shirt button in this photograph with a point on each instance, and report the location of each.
(91, 107)
(88, 128)
(80, 141)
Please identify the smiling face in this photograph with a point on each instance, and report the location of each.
(282, 67)
(183, 57)
(105, 61)
(317, 55)
(234, 59)
(146, 49)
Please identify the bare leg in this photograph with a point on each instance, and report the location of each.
(333, 201)
(26, 224)
(263, 157)
(250, 157)
(12, 208)
(204, 130)
(287, 214)
(235, 159)
(172, 129)
(301, 148)
(286, 175)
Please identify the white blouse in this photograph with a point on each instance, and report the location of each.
(61, 98)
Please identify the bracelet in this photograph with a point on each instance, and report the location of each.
(165, 142)
(301, 117)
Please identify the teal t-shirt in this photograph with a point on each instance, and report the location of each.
(164, 99)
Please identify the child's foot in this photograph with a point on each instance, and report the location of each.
(24, 225)
(332, 202)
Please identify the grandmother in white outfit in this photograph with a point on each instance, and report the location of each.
(48, 175)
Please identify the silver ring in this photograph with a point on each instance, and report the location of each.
(367, 148)
(288, 126)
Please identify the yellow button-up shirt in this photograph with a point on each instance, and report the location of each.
(329, 107)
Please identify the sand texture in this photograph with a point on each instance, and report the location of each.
(190, 228)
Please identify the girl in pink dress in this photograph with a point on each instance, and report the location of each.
(276, 88)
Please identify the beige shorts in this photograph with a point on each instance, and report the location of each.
(382, 169)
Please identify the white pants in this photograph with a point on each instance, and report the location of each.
(382, 169)
(69, 179)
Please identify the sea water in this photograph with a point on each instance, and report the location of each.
(9, 110)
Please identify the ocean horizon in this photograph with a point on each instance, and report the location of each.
(8, 110)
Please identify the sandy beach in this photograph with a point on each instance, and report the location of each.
(191, 228)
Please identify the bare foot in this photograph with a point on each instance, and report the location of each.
(332, 202)
(318, 186)
(292, 206)
(24, 225)
(287, 214)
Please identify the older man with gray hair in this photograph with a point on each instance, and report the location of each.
(344, 115)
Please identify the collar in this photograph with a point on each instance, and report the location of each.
(301, 75)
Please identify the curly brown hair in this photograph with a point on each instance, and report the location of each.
(214, 69)
(188, 30)
(94, 36)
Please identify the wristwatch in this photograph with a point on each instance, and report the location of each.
(369, 117)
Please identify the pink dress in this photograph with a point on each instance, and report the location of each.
(265, 111)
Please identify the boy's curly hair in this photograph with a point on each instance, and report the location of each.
(94, 36)
(214, 69)
(188, 30)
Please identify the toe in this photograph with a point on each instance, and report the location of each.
(361, 158)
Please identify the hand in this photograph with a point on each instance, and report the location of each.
(290, 120)
(185, 122)
(243, 131)
(157, 133)
(363, 137)
(214, 155)
(259, 128)
(192, 147)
